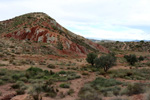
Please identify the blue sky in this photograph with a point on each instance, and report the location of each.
(97, 19)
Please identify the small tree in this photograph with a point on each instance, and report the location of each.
(131, 59)
(91, 57)
(106, 61)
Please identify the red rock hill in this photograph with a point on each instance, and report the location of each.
(39, 27)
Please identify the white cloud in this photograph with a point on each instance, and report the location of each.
(107, 19)
(112, 33)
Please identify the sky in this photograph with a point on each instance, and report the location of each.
(120, 20)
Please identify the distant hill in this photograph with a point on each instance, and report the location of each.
(137, 41)
(140, 46)
(39, 27)
(97, 41)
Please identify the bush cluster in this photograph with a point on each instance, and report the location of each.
(104, 61)
(131, 59)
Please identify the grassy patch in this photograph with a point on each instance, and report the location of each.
(133, 89)
(109, 88)
(34, 79)
(131, 74)
(101, 86)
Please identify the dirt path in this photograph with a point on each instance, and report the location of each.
(76, 85)
(123, 46)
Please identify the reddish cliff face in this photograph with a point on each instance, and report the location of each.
(39, 27)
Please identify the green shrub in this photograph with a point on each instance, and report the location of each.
(2, 55)
(15, 77)
(59, 45)
(1, 82)
(36, 90)
(18, 85)
(135, 88)
(24, 79)
(62, 94)
(51, 94)
(2, 65)
(131, 59)
(6, 78)
(33, 71)
(51, 66)
(3, 72)
(101, 72)
(138, 64)
(116, 92)
(70, 92)
(62, 72)
(20, 91)
(148, 64)
(64, 85)
(84, 73)
(51, 72)
(42, 63)
(110, 91)
(48, 86)
(54, 27)
(141, 58)
(77, 76)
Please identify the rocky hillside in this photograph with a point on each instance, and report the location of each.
(127, 46)
(39, 27)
